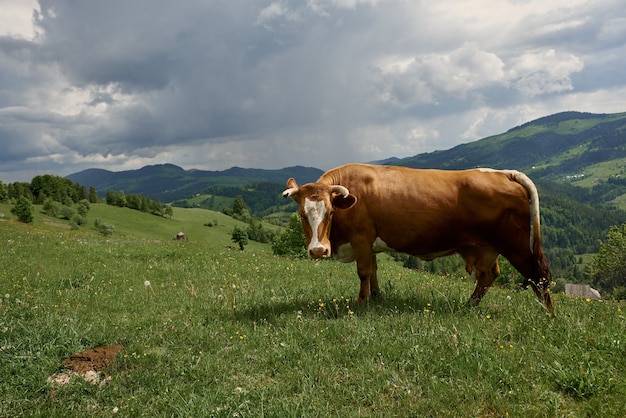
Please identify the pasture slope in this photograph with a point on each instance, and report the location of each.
(208, 330)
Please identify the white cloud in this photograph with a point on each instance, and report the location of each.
(284, 82)
(544, 72)
(16, 18)
(428, 77)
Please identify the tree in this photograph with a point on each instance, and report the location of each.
(240, 236)
(134, 201)
(156, 208)
(24, 210)
(169, 211)
(82, 193)
(111, 197)
(256, 232)
(93, 195)
(240, 210)
(83, 207)
(292, 240)
(4, 192)
(239, 206)
(607, 270)
(58, 188)
(121, 199)
(18, 189)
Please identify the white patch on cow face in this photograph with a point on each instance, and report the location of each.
(345, 254)
(315, 211)
(380, 246)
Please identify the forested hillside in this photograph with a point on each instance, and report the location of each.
(262, 199)
(168, 182)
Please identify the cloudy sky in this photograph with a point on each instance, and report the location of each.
(120, 84)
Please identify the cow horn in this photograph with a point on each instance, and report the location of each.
(341, 190)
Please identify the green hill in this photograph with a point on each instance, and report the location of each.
(134, 224)
(562, 147)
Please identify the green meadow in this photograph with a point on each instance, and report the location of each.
(209, 330)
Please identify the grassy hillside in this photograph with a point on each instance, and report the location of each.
(211, 331)
(132, 224)
(556, 147)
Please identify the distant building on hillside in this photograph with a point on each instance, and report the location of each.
(582, 291)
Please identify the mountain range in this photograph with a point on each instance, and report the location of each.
(579, 149)
(168, 182)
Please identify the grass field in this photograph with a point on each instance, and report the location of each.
(208, 330)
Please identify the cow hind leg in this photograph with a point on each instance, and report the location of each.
(484, 262)
(374, 288)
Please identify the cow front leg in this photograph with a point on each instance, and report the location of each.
(485, 263)
(364, 267)
(484, 279)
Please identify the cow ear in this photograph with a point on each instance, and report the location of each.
(341, 202)
(291, 183)
(292, 187)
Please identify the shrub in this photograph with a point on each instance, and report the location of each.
(4, 192)
(104, 229)
(83, 207)
(51, 207)
(67, 212)
(608, 268)
(292, 240)
(24, 210)
(240, 237)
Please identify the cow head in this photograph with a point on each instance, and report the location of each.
(317, 205)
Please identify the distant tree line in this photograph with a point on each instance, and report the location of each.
(138, 202)
(47, 186)
(60, 197)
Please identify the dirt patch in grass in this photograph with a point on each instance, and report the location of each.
(57, 224)
(91, 365)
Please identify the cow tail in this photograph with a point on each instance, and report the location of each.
(541, 276)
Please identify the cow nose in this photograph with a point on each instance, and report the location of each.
(317, 252)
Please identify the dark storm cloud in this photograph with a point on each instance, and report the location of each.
(121, 84)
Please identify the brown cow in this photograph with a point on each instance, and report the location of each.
(357, 210)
